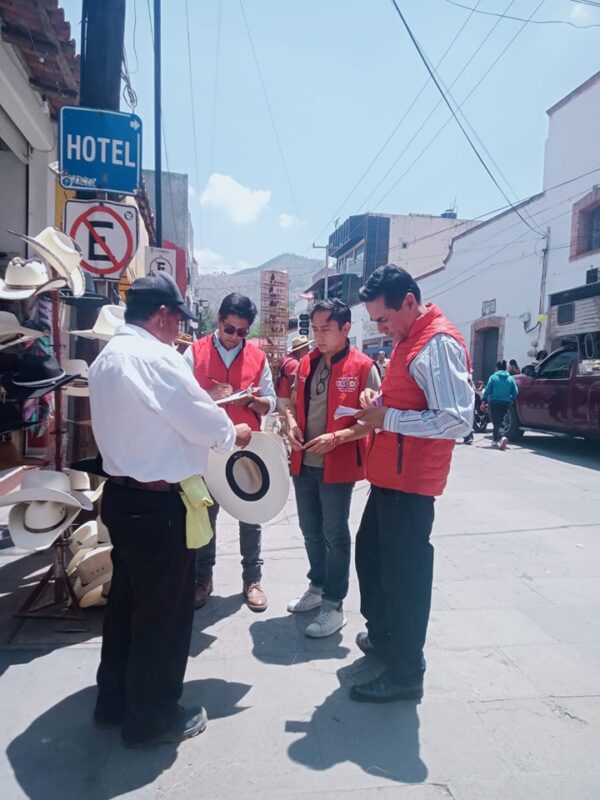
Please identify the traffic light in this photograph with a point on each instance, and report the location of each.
(303, 322)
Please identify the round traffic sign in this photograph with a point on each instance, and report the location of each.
(116, 247)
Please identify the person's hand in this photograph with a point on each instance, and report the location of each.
(220, 391)
(243, 434)
(321, 444)
(242, 401)
(296, 438)
(372, 416)
(367, 396)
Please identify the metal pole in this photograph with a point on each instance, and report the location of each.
(326, 287)
(157, 125)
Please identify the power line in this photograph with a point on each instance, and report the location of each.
(395, 129)
(521, 19)
(430, 115)
(271, 117)
(452, 111)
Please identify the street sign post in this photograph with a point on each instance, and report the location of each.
(99, 150)
(161, 259)
(106, 233)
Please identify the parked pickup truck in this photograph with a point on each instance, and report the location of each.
(561, 396)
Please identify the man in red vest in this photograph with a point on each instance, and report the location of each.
(224, 363)
(426, 403)
(328, 457)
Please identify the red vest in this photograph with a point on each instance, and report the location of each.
(409, 463)
(247, 368)
(349, 373)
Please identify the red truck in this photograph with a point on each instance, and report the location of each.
(560, 395)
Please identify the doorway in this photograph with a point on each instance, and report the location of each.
(487, 345)
(489, 352)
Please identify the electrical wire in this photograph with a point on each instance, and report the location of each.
(521, 19)
(435, 108)
(271, 117)
(455, 116)
(411, 105)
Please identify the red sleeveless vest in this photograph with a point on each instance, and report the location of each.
(409, 463)
(349, 374)
(247, 368)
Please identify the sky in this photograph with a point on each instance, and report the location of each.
(294, 99)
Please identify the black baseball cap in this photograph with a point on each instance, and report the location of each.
(160, 288)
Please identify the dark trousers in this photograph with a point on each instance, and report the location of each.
(497, 412)
(323, 511)
(148, 621)
(394, 562)
(250, 538)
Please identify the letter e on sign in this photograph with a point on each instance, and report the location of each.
(106, 233)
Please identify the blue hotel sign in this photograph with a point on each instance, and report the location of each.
(99, 150)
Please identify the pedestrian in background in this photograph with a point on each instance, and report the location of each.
(500, 392)
(161, 436)
(286, 374)
(513, 367)
(224, 363)
(382, 362)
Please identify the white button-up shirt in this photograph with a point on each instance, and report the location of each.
(151, 419)
(265, 385)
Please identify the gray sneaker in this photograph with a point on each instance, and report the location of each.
(311, 598)
(328, 621)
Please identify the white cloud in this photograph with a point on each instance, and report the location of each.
(287, 221)
(241, 204)
(580, 12)
(209, 261)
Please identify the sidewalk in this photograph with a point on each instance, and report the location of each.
(512, 694)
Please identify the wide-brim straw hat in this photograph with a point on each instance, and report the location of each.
(109, 319)
(91, 534)
(80, 482)
(61, 252)
(252, 484)
(12, 332)
(46, 485)
(94, 571)
(298, 342)
(80, 386)
(36, 525)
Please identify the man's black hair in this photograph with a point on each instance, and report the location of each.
(392, 283)
(141, 312)
(338, 312)
(501, 365)
(240, 306)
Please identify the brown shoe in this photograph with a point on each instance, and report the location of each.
(203, 589)
(256, 599)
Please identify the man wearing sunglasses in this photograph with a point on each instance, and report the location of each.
(223, 364)
(327, 459)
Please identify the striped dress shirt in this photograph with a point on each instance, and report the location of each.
(441, 372)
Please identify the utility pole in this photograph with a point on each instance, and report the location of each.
(326, 285)
(157, 124)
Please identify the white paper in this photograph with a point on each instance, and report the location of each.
(345, 411)
(235, 396)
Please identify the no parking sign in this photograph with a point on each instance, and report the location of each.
(107, 234)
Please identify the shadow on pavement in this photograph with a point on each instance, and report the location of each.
(380, 739)
(281, 640)
(216, 609)
(62, 754)
(580, 452)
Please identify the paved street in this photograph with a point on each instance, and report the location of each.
(512, 699)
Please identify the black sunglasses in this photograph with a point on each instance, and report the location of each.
(322, 382)
(231, 329)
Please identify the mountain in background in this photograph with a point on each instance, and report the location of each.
(213, 287)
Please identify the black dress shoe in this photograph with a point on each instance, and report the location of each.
(384, 690)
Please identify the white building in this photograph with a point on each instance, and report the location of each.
(498, 278)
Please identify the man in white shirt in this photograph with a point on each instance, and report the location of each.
(154, 426)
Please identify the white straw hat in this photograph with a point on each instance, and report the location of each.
(47, 485)
(94, 571)
(91, 534)
(12, 332)
(109, 319)
(36, 525)
(250, 484)
(80, 386)
(61, 252)
(23, 279)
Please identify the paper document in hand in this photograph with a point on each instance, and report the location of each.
(345, 411)
(235, 396)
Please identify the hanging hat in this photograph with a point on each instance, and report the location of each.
(61, 252)
(35, 525)
(80, 386)
(93, 574)
(250, 484)
(35, 377)
(24, 278)
(298, 342)
(12, 332)
(46, 485)
(80, 482)
(109, 319)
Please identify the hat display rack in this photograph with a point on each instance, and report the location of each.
(35, 293)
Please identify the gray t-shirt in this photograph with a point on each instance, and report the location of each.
(316, 420)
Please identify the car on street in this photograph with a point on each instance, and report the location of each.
(561, 395)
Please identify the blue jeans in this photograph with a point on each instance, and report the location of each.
(250, 539)
(323, 511)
